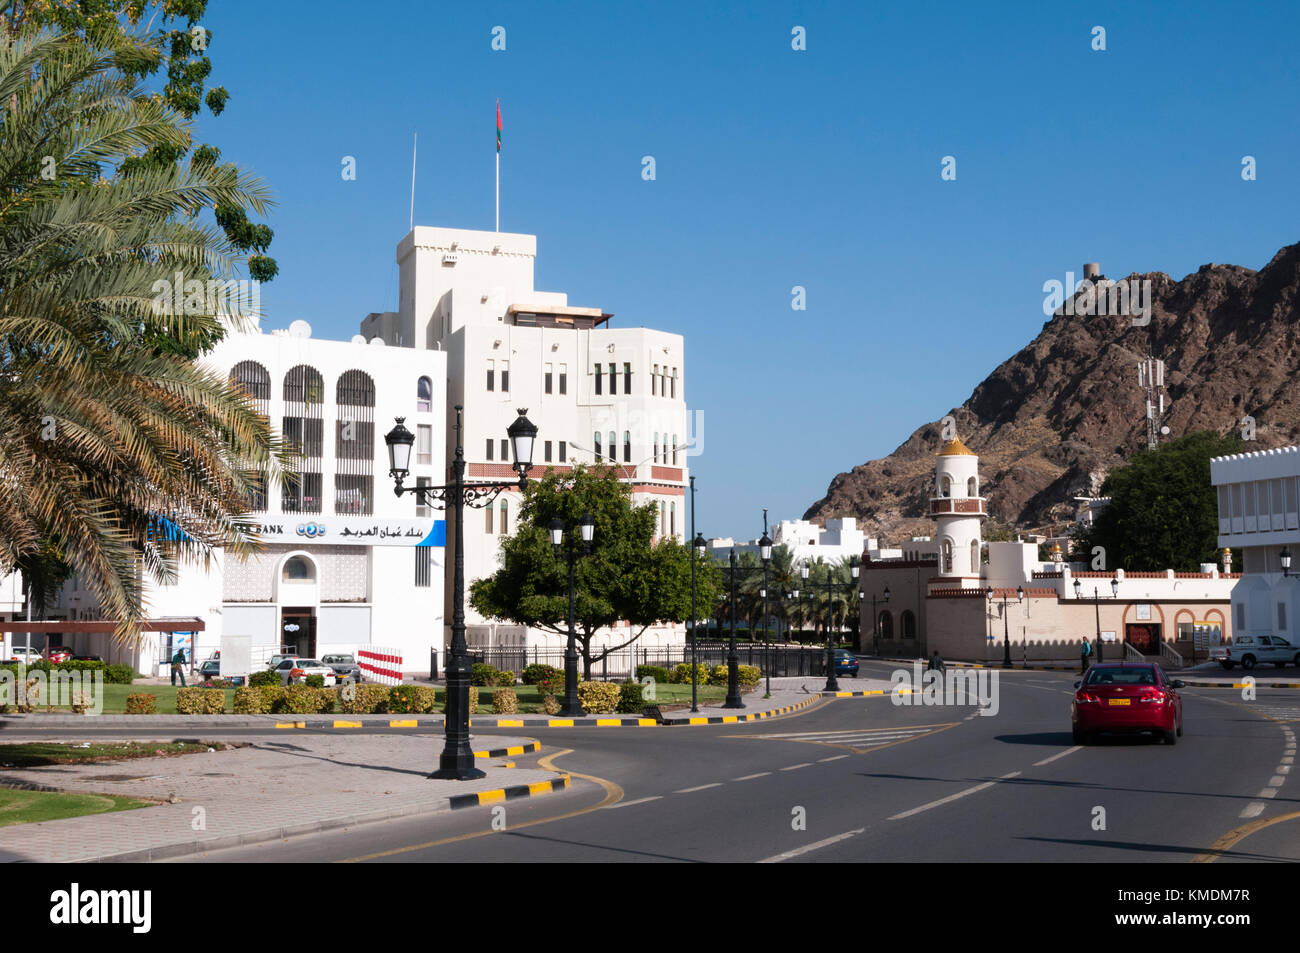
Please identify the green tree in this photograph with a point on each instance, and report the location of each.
(1163, 512)
(625, 578)
(178, 48)
(120, 459)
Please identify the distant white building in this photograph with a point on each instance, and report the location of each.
(1259, 519)
(839, 540)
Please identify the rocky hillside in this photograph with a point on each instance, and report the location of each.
(1050, 422)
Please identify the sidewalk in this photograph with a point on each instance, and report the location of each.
(273, 788)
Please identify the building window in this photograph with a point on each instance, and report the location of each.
(504, 506)
(597, 378)
(674, 449)
(505, 377)
(613, 379)
(1241, 616)
(663, 511)
(672, 519)
(627, 446)
(654, 382)
(971, 488)
(423, 566)
(886, 625)
(487, 517)
(596, 437)
(564, 381)
(546, 379)
(422, 510)
(564, 449)
(490, 447)
(304, 435)
(945, 486)
(674, 380)
(546, 452)
(974, 557)
(947, 556)
(424, 395)
(424, 443)
(656, 447)
(613, 446)
(1281, 616)
(505, 451)
(298, 569)
(627, 377)
(354, 495)
(907, 622)
(354, 444)
(491, 375)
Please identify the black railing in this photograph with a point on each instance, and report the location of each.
(785, 660)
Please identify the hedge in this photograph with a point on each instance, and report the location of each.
(536, 672)
(113, 674)
(505, 702)
(747, 676)
(482, 674)
(599, 698)
(141, 704)
(629, 698)
(200, 701)
(658, 673)
(302, 700)
(681, 675)
(365, 699)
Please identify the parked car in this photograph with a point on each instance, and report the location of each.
(1252, 649)
(211, 668)
(295, 669)
(345, 666)
(276, 659)
(87, 658)
(1125, 697)
(60, 653)
(846, 663)
(23, 653)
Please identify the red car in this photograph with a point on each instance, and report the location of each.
(60, 653)
(1128, 698)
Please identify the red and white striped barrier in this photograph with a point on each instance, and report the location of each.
(383, 665)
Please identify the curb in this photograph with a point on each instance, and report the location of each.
(457, 802)
(1240, 685)
(735, 719)
(877, 691)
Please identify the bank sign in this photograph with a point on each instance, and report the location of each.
(356, 531)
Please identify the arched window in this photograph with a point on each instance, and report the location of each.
(596, 437)
(303, 430)
(907, 621)
(627, 446)
(945, 486)
(354, 444)
(656, 447)
(424, 394)
(662, 515)
(298, 569)
(672, 519)
(886, 624)
(674, 446)
(504, 506)
(947, 555)
(613, 447)
(974, 557)
(255, 381)
(972, 487)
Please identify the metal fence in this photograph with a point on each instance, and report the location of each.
(781, 659)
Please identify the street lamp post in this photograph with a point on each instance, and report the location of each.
(765, 554)
(1285, 556)
(698, 546)
(733, 663)
(833, 685)
(1006, 631)
(457, 759)
(1096, 601)
(587, 529)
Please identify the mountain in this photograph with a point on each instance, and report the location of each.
(1051, 421)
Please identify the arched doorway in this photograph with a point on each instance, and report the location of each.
(297, 593)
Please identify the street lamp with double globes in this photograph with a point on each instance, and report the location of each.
(1006, 637)
(457, 759)
(587, 530)
(1096, 600)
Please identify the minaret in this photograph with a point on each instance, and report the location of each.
(959, 511)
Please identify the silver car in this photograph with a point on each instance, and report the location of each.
(295, 670)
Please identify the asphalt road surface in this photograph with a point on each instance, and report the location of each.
(863, 779)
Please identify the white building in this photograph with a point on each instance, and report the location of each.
(1259, 516)
(596, 393)
(838, 540)
(347, 563)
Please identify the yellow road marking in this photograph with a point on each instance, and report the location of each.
(1230, 839)
(613, 794)
(347, 724)
(403, 724)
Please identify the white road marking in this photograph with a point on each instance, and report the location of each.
(811, 847)
(702, 787)
(1268, 792)
(952, 797)
(1283, 769)
(1276, 781)
(1039, 764)
(834, 758)
(1288, 760)
(643, 800)
(1253, 809)
(750, 777)
(857, 732)
(796, 767)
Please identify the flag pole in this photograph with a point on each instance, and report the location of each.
(414, 143)
(498, 191)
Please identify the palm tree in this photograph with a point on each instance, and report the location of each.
(126, 457)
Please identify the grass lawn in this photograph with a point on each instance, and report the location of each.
(29, 807)
(30, 754)
(115, 698)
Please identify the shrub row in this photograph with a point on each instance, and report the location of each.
(536, 672)
(113, 674)
(486, 676)
(658, 673)
(599, 698)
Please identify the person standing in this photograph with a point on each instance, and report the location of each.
(178, 667)
(1085, 653)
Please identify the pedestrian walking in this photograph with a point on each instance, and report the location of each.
(178, 663)
(936, 663)
(1085, 652)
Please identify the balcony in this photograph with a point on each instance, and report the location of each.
(962, 505)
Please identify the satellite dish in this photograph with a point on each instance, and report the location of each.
(377, 342)
(300, 329)
(1164, 431)
(358, 339)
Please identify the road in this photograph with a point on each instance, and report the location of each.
(863, 779)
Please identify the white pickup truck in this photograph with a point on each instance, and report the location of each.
(1252, 649)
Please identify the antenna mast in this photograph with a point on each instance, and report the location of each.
(1151, 378)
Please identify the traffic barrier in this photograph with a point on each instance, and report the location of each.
(381, 664)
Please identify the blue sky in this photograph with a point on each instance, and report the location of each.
(775, 168)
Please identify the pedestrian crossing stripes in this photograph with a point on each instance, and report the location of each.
(1275, 712)
(860, 739)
